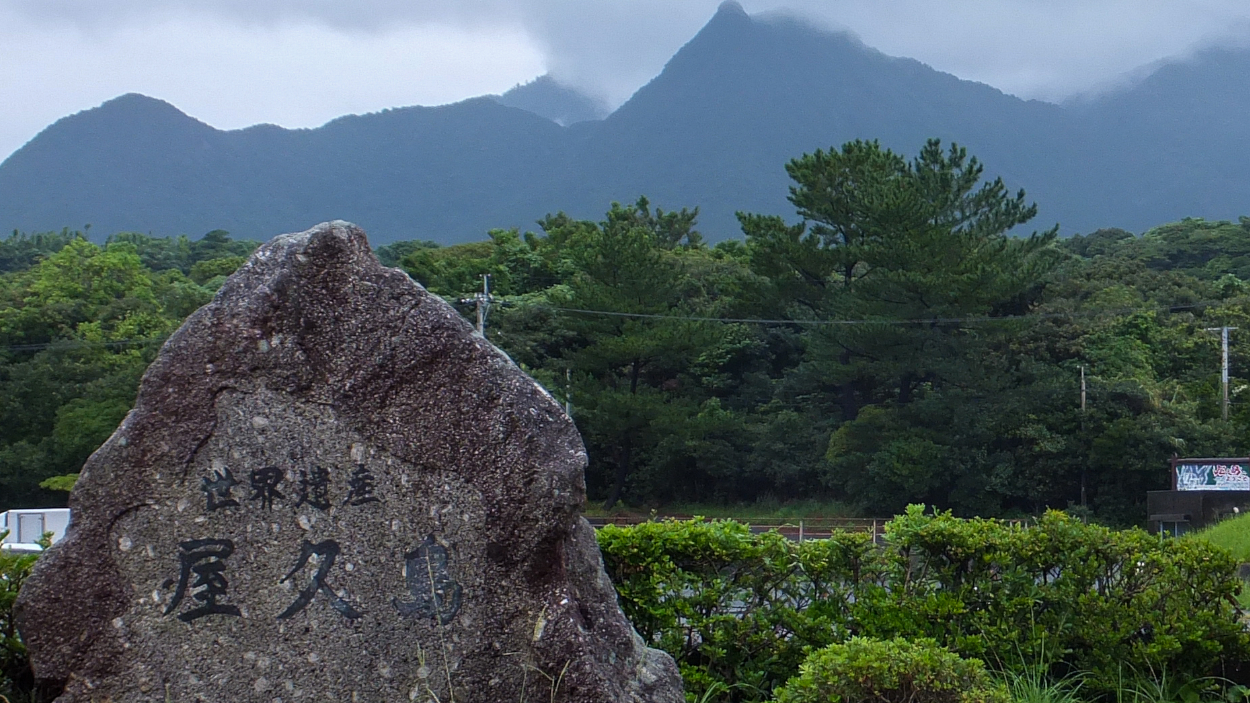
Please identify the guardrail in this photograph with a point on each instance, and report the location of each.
(797, 529)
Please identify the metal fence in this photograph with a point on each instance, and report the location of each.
(795, 529)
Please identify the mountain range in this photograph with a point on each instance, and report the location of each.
(714, 130)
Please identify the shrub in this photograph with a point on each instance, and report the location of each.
(14, 667)
(721, 600)
(738, 611)
(1099, 599)
(890, 671)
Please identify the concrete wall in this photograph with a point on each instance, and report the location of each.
(25, 527)
(1192, 510)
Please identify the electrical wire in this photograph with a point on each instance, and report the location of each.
(916, 321)
(82, 344)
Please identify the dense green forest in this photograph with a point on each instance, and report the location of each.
(894, 340)
(79, 323)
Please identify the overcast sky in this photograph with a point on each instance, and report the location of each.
(299, 63)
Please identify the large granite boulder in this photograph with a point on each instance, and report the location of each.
(332, 489)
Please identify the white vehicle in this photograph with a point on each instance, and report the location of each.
(25, 527)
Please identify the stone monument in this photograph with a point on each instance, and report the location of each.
(332, 489)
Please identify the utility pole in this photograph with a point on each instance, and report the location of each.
(568, 392)
(1082, 389)
(1083, 468)
(1224, 365)
(483, 304)
(482, 301)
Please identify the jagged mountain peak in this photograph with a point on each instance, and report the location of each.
(713, 130)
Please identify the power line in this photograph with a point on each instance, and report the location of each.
(81, 344)
(916, 321)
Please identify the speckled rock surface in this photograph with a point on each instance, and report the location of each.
(331, 489)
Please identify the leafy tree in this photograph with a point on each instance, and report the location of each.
(892, 240)
(78, 329)
(393, 254)
(1203, 249)
(450, 271)
(903, 251)
(182, 253)
(949, 373)
(204, 271)
(20, 251)
(629, 364)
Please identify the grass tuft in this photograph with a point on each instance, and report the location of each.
(1034, 686)
(1232, 534)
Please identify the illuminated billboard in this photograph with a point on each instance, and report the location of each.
(1211, 474)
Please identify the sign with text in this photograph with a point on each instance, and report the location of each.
(1212, 475)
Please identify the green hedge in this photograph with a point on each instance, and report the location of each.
(743, 610)
(891, 671)
(15, 676)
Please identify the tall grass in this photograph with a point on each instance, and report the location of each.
(1232, 534)
(1161, 688)
(1034, 686)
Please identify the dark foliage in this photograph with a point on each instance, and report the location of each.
(743, 610)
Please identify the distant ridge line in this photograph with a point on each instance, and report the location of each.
(713, 130)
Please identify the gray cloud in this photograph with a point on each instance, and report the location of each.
(1047, 49)
(429, 51)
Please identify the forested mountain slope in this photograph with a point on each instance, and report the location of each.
(136, 163)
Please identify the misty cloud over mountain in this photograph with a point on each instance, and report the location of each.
(608, 48)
